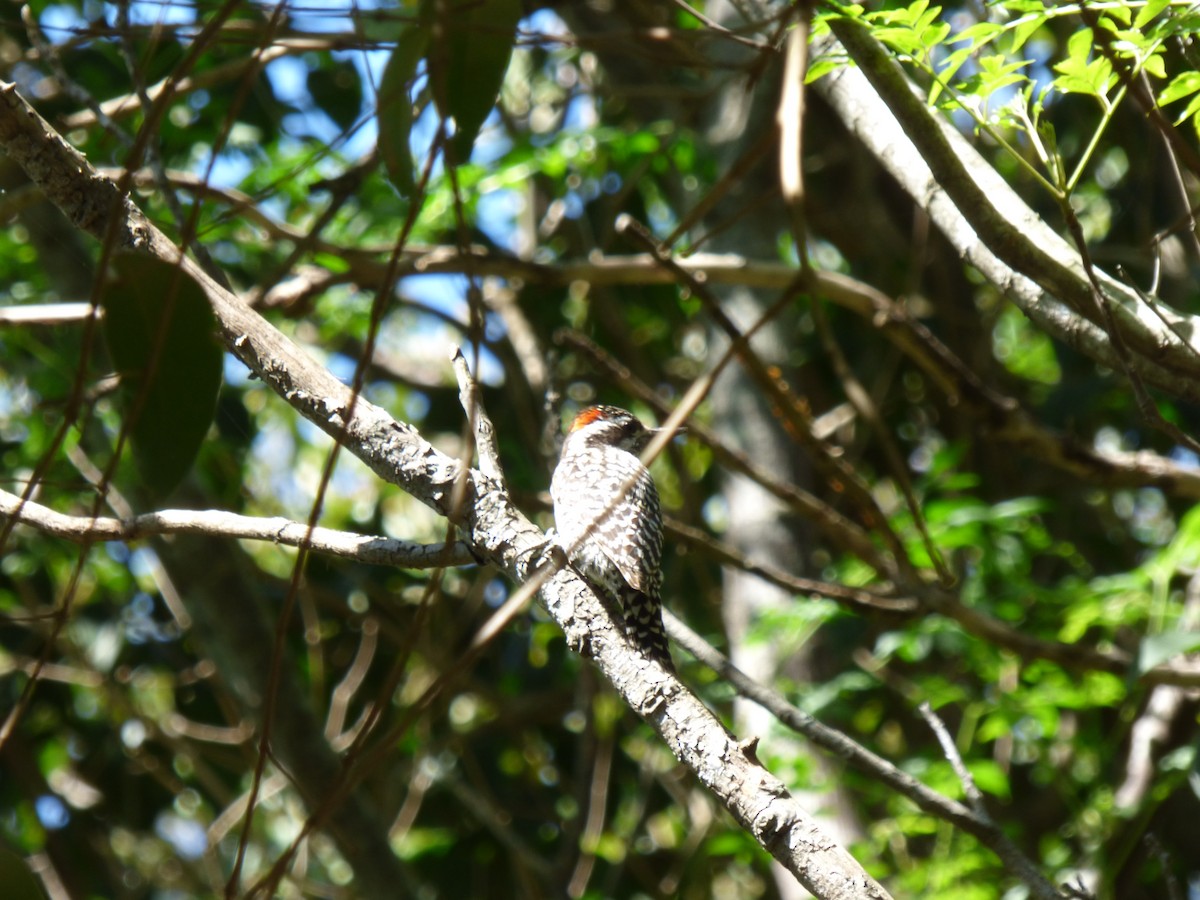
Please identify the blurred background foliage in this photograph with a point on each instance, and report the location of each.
(124, 772)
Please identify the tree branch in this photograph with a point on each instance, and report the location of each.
(380, 551)
(843, 747)
(489, 522)
(938, 599)
(991, 226)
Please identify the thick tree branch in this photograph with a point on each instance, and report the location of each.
(989, 224)
(489, 522)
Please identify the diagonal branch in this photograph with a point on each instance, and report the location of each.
(488, 521)
(992, 227)
(858, 756)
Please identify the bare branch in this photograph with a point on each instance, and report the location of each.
(47, 314)
(974, 797)
(721, 552)
(489, 521)
(380, 551)
(481, 426)
(863, 759)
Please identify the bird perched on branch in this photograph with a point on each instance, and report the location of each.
(607, 517)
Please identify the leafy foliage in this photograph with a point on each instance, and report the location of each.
(137, 671)
(160, 332)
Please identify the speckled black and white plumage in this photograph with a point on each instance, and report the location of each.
(616, 546)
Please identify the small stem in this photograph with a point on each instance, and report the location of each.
(988, 129)
(1109, 109)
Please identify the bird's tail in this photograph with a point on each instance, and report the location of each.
(644, 626)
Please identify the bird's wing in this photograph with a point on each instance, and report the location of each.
(630, 533)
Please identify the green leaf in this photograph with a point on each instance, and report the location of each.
(1025, 7)
(824, 66)
(1192, 107)
(1079, 45)
(337, 89)
(949, 69)
(990, 777)
(467, 68)
(1024, 30)
(1161, 647)
(933, 35)
(1077, 75)
(160, 332)
(978, 34)
(901, 39)
(1149, 11)
(1155, 65)
(995, 73)
(1181, 759)
(916, 10)
(395, 110)
(727, 844)
(420, 842)
(1183, 85)
(1115, 14)
(1024, 350)
(1181, 554)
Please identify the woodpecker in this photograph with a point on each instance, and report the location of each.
(607, 517)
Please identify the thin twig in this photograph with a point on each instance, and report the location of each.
(863, 759)
(790, 116)
(726, 555)
(795, 419)
(1145, 403)
(481, 426)
(950, 751)
(719, 28)
(53, 57)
